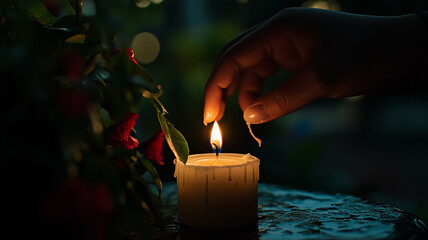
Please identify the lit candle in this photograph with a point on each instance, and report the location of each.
(217, 190)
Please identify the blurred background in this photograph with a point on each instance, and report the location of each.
(375, 148)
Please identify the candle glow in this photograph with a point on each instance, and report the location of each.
(216, 140)
(217, 191)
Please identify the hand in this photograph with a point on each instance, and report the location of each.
(330, 55)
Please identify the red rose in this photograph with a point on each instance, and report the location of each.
(74, 102)
(153, 148)
(120, 136)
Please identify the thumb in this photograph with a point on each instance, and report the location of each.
(296, 92)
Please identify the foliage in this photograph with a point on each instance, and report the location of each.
(71, 91)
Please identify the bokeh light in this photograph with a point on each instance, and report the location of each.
(157, 1)
(322, 4)
(146, 47)
(142, 3)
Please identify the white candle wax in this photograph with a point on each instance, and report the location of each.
(217, 192)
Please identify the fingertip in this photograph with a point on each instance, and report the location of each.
(256, 114)
(208, 117)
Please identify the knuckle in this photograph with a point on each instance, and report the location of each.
(279, 104)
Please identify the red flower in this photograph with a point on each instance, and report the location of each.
(120, 136)
(153, 148)
(74, 102)
(131, 56)
(71, 64)
(79, 207)
(53, 7)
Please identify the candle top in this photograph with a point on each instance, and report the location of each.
(224, 159)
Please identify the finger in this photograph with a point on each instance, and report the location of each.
(236, 39)
(252, 82)
(296, 92)
(213, 101)
(246, 53)
(209, 115)
(221, 112)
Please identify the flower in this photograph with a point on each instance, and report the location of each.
(120, 136)
(71, 64)
(131, 56)
(153, 148)
(74, 102)
(53, 7)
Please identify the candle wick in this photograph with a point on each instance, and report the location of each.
(216, 149)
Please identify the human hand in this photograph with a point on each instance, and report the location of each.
(330, 55)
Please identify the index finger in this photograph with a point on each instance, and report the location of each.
(226, 75)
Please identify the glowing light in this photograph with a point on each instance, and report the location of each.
(146, 47)
(322, 4)
(216, 140)
(142, 3)
(157, 1)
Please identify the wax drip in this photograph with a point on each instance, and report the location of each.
(258, 140)
(245, 173)
(230, 174)
(206, 191)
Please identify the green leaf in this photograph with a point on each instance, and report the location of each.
(37, 10)
(76, 39)
(158, 105)
(69, 23)
(142, 72)
(176, 141)
(148, 89)
(105, 118)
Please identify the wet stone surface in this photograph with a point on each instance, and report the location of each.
(286, 213)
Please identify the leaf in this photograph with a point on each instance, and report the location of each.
(142, 72)
(76, 39)
(69, 23)
(105, 118)
(38, 10)
(148, 89)
(142, 78)
(158, 105)
(176, 141)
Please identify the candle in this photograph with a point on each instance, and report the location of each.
(217, 190)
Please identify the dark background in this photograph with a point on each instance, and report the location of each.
(372, 147)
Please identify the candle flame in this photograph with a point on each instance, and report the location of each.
(216, 138)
